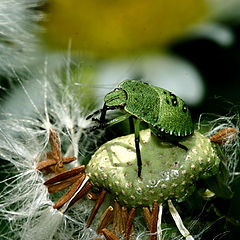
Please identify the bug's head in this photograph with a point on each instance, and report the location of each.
(116, 98)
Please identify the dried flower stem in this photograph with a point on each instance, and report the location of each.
(129, 224)
(93, 196)
(96, 239)
(124, 217)
(65, 175)
(46, 164)
(55, 144)
(117, 227)
(224, 135)
(66, 160)
(96, 207)
(147, 216)
(55, 157)
(109, 235)
(105, 220)
(153, 222)
(81, 194)
(68, 195)
(63, 184)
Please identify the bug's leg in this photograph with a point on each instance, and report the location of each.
(93, 114)
(102, 116)
(137, 138)
(176, 143)
(131, 124)
(111, 122)
(117, 120)
(167, 139)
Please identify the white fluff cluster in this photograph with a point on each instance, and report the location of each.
(230, 148)
(25, 205)
(18, 30)
(24, 195)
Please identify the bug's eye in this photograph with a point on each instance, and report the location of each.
(184, 108)
(174, 102)
(173, 96)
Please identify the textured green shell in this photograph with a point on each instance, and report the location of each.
(168, 172)
(160, 108)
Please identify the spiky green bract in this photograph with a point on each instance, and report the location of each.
(163, 110)
(168, 171)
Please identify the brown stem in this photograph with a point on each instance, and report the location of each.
(93, 196)
(63, 184)
(153, 222)
(55, 144)
(117, 227)
(124, 217)
(67, 196)
(96, 207)
(68, 159)
(147, 216)
(96, 239)
(109, 235)
(81, 194)
(105, 220)
(129, 223)
(45, 164)
(224, 135)
(69, 173)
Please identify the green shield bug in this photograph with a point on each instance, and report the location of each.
(167, 115)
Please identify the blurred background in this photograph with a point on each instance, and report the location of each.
(189, 47)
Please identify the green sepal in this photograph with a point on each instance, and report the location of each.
(218, 183)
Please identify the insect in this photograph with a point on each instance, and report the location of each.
(167, 115)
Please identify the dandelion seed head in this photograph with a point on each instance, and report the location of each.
(24, 141)
(40, 230)
(230, 147)
(82, 122)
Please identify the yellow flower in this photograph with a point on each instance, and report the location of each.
(109, 28)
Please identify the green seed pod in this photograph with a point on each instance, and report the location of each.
(169, 172)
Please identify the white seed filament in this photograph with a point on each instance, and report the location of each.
(177, 219)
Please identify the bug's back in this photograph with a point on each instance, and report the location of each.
(142, 100)
(158, 107)
(174, 116)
